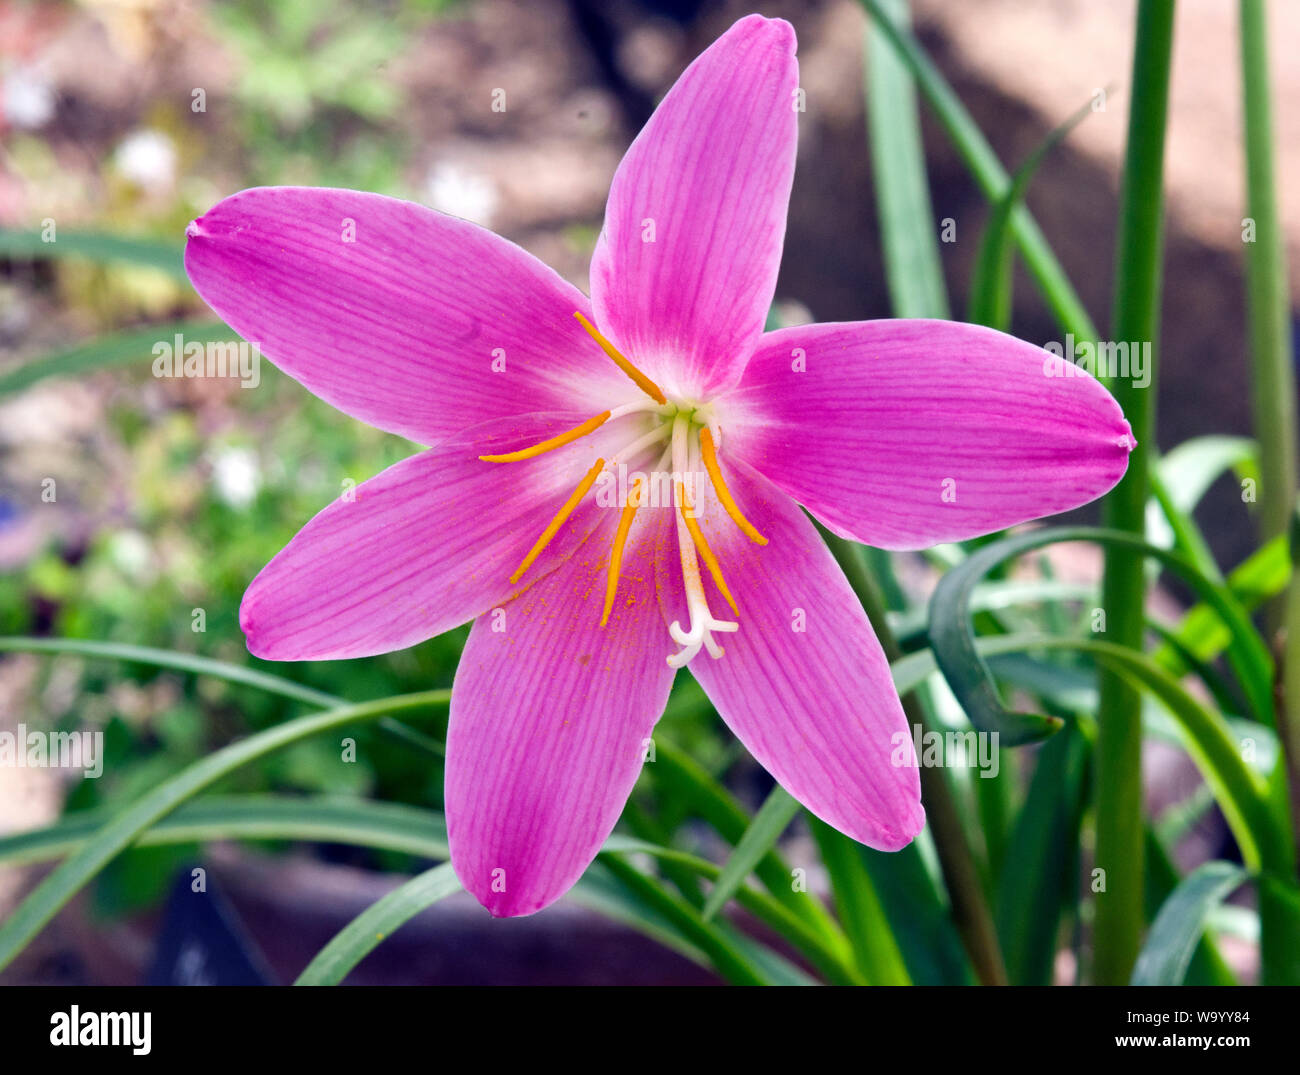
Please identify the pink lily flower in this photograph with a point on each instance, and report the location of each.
(614, 485)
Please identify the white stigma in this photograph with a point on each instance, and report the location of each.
(703, 624)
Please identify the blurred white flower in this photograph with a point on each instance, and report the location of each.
(27, 99)
(130, 552)
(148, 159)
(237, 476)
(453, 189)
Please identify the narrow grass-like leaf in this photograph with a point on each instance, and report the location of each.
(172, 659)
(1039, 878)
(1208, 966)
(731, 960)
(132, 347)
(157, 254)
(380, 920)
(952, 635)
(390, 826)
(49, 897)
(908, 237)
(686, 780)
(772, 819)
(1193, 466)
(1207, 737)
(988, 172)
(1260, 576)
(970, 911)
(386, 826)
(859, 907)
(1178, 482)
(1169, 945)
(208, 666)
(990, 289)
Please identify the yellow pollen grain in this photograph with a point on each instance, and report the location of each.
(554, 528)
(706, 553)
(577, 432)
(710, 457)
(642, 381)
(620, 539)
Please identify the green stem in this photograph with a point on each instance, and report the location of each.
(1119, 916)
(970, 909)
(1268, 309)
(1267, 297)
(1288, 703)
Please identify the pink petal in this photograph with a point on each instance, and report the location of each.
(400, 327)
(803, 683)
(421, 548)
(711, 174)
(550, 717)
(904, 434)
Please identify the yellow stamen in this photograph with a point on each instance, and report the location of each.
(589, 426)
(642, 381)
(710, 457)
(555, 524)
(706, 553)
(620, 539)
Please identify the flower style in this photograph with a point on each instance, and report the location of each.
(614, 485)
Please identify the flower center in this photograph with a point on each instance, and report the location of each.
(694, 436)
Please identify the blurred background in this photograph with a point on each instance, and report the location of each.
(131, 117)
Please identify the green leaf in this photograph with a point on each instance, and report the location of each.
(133, 347)
(990, 290)
(48, 898)
(686, 781)
(207, 666)
(1207, 966)
(391, 826)
(907, 233)
(860, 908)
(1193, 466)
(1039, 874)
(1202, 633)
(380, 920)
(952, 633)
(772, 819)
(733, 959)
(992, 178)
(166, 658)
(1178, 482)
(804, 921)
(1172, 940)
(1206, 736)
(164, 256)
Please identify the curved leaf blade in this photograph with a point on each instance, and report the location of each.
(372, 926)
(1168, 951)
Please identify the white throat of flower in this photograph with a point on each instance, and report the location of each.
(695, 438)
